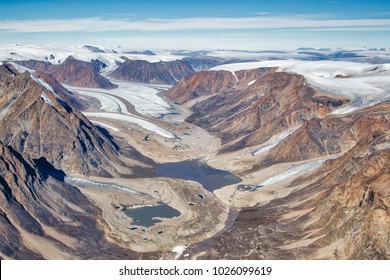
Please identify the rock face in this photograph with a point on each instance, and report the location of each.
(248, 107)
(340, 211)
(43, 217)
(203, 83)
(209, 83)
(73, 72)
(65, 94)
(163, 72)
(201, 63)
(329, 136)
(94, 49)
(37, 121)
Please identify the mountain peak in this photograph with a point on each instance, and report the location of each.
(39, 122)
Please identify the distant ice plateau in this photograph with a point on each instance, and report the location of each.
(364, 84)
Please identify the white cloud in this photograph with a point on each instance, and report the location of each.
(262, 13)
(98, 24)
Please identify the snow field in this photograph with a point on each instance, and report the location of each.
(363, 83)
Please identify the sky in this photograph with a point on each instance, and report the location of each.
(201, 24)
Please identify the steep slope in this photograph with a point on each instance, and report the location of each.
(68, 96)
(42, 217)
(36, 120)
(203, 83)
(208, 83)
(329, 136)
(73, 72)
(340, 211)
(163, 72)
(247, 108)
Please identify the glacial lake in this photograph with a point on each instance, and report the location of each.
(211, 178)
(148, 216)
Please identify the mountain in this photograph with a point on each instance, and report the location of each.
(37, 121)
(210, 83)
(340, 211)
(203, 83)
(145, 52)
(52, 84)
(200, 63)
(44, 218)
(247, 107)
(142, 71)
(73, 72)
(68, 96)
(331, 135)
(94, 49)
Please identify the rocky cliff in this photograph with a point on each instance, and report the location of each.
(73, 72)
(163, 72)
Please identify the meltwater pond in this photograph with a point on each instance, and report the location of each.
(211, 178)
(148, 216)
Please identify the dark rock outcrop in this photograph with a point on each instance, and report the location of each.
(163, 72)
(73, 72)
(94, 49)
(200, 63)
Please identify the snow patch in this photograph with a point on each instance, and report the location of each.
(179, 250)
(299, 169)
(42, 83)
(251, 82)
(89, 183)
(265, 147)
(21, 69)
(47, 99)
(105, 125)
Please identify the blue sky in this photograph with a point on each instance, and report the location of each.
(240, 24)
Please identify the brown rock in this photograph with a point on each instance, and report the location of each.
(163, 72)
(36, 208)
(72, 72)
(40, 123)
(244, 115)
(339, 211)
